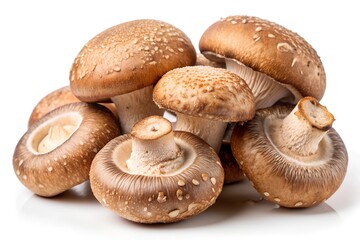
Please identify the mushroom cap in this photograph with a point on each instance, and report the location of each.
(285, 180)
(269, 48)
(201, 60)
(51, 101)
(157, 199)
(53, 172)
(232, 171)
(128, 57)
(207, 92)
(57, 98)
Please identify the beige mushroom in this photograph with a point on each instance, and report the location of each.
(56, 152)
(125, 61)
(205, 99)
(156, 175)
(200, 61)
(55, 99)
(276, 63)
(292, 156)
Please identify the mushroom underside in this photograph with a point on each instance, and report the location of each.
(53, 133)
(281, 176)
(267, 91)
(56, 152)
(169, 197)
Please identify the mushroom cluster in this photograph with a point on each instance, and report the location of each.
(246, 105)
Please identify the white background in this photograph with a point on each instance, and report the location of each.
(40, 39)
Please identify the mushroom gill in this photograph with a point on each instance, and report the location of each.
(56, 152)
(156, 175)
(291, 162)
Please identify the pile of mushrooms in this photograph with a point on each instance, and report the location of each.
(246, 105)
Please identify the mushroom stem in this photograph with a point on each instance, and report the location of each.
(154, 151)
(304, 128)
(211, 131)
(265, 89)
(134, 106)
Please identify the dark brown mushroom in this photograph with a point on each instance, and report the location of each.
(232, 170)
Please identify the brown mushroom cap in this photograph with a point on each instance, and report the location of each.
(232, 171)
(55, 99)
(157, 198)
(53, 169)
(289, 181)
(206, 92)
(127, 57)
(201, 60)
(51, 101)
(268, 48)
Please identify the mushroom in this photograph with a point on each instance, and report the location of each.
(201, 60)
(276, 63)
(205, 99)
(232, 170)
(56, 152)
(155, 174)
(292, 156)
(125, 61)
(55, 99)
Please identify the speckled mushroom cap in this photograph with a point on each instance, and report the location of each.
(127, 57)
(157, 199)
(269, 48)
(55, 99)
(51, 101)
(51, 172)
(280, 178)
(204, 91)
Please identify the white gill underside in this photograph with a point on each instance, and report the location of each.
(266, 90)
(320, 157)
(53, 133)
